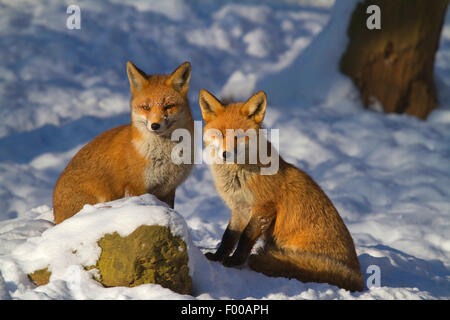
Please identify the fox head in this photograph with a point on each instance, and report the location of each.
(159, 103)
(229, 128)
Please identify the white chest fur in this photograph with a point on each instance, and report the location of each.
(162, 175)
(231, 183)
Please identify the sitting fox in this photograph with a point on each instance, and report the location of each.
(132, 159)
(305, 238)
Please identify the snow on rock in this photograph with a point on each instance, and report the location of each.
(65, 249)
(4, 294)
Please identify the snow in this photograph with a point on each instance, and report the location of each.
(388, 175)
(67, 248)
(54, 248)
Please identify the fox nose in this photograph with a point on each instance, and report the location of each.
(226, 155)
(155, 126)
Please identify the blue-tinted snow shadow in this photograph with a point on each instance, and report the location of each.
(24, 146)
(401, 270)
(398, 270)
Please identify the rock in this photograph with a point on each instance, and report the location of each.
(40, 277)
(126, 242)
(150, 254)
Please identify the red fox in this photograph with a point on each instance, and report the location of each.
(132, 159)
(305, 238)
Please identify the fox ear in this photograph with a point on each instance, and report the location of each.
(209, 105)
(137, 77)
(255, 107)
(179, 79)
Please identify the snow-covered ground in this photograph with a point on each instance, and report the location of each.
(388, 175)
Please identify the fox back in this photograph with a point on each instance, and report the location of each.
(132, 159)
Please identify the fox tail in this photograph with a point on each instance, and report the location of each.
(305, 267)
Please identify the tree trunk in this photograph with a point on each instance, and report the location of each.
(394, 65)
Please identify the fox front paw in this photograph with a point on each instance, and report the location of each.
(211, 256)
(232, 261)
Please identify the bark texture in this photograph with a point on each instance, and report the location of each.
(394, 65)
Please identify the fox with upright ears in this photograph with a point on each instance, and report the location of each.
(132, 159)
(305, 238)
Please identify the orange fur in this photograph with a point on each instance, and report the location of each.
(305, 237)
(131, 159)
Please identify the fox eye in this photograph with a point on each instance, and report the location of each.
(170, 106)
(146, 107)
